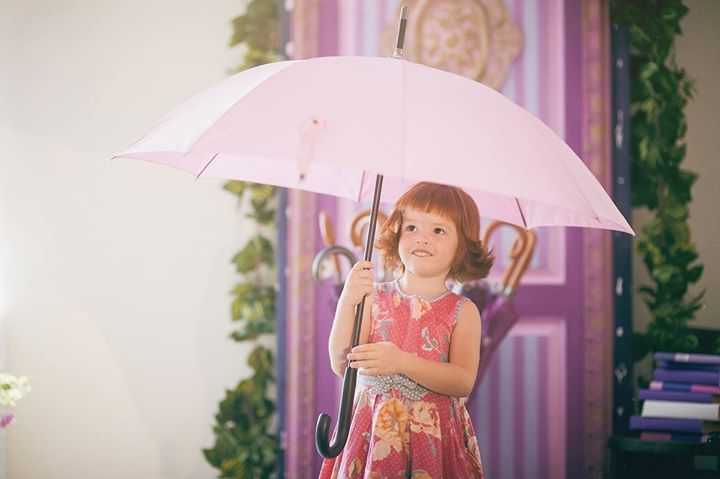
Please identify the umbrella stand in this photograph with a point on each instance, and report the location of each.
(322, 430)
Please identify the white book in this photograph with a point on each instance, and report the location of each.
(681, 410)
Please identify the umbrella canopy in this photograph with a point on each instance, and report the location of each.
(330, 125)
(346, 126)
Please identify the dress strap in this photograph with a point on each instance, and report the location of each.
(458, 306)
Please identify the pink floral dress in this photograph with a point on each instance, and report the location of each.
(400, 429)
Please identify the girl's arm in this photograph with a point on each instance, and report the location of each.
(454, 378)
(358, 284)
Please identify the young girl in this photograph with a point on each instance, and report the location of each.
(419, 344)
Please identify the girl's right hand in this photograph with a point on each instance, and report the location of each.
(359, 283)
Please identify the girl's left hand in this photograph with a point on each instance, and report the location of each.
(377, 359)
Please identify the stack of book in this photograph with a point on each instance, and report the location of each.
(683, 401)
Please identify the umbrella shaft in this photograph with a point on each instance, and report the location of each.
(373, 218)
(357, 325)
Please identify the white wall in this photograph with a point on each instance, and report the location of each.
(698, 51)
(114, 276)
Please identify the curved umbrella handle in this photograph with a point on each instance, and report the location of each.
(328, 235)
(331, 251)
(322, 429)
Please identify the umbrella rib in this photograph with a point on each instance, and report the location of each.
(362, 186)
(543, 134)
(230, 108)
(522, 215)
(206, 165)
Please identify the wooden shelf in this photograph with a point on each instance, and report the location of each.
(631, 457)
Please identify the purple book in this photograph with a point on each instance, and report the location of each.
(686, 387)
(688, 426)
(674, 437)
(687, 366)
(692, 377)
(689, 358)
(676, 396)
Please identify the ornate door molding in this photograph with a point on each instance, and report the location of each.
(473, 38)
(299, 437)
(597, 244)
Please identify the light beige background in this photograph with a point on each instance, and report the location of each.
(114, 276)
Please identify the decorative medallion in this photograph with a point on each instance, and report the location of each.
(473, 38)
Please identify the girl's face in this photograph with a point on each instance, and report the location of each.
(428, 244)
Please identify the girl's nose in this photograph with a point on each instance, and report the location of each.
(421, 239)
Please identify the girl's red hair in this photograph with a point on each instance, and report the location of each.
(472, 259)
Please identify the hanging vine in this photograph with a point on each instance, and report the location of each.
(246, 444)
(660, 91)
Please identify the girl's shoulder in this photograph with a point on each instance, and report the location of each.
(459, 302)
(466, 303)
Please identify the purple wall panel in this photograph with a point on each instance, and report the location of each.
(326, 383)
(573, 122)
(523, 389)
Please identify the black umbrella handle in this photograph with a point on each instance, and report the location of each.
(322, 429)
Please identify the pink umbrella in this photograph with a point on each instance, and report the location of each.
(332, 125)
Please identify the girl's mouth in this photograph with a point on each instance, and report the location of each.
(421, 252)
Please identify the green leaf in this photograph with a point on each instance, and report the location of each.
(648, 70)
(262, 212)
(212, 457)
(253, 302)
(258, 26)
(716, 347)
(665, 273)
(650, 292)
(257, 251)
(236, 187)
(261, 192)
(638, 37)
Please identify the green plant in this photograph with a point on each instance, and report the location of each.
(246, 444)
(244, 447)
(257, 29)
(659, 91)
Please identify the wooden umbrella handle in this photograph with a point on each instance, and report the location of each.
(328, 235)
(360, 221)
(521, 252)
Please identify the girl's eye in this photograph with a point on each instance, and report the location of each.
(439, 231)
(410, 228)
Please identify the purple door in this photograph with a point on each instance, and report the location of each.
(541, 409)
